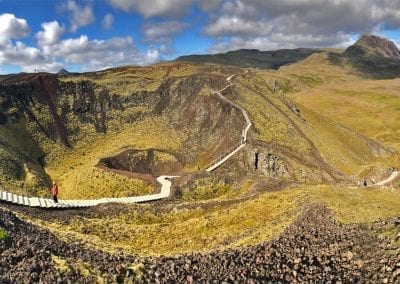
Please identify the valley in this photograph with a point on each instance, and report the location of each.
(320, 123)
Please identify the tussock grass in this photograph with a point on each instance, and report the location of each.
(74, 169)
(3, 235)
(206, 188)
(359, 205)
(226, 226)
(271, 126)
(370, 107)
(127, 80)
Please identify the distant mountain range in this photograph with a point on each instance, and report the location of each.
(375, 56)
(252, 57)
(63, 72)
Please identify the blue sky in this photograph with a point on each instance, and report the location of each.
(86, 35)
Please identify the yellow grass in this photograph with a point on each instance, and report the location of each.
(74, 169)
(225, 226)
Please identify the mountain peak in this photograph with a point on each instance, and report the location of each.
(372, 45)
(63, 72)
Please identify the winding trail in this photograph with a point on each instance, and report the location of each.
(243, 139)
(394, 175)
(391, 178)
(163, 180)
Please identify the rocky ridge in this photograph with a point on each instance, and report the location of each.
(371, 45)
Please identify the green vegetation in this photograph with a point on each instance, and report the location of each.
(207, 188)
(3, 235)
(216, 225)
(74, 169)
(252, 58)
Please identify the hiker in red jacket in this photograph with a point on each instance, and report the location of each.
(54, 191)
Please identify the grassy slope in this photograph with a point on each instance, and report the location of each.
(370, 107)
(149, 232)
(74, 169)
(322, 92)
(275, 122)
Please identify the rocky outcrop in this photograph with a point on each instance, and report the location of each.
(268, 163)
(371, 45)
(20, 93)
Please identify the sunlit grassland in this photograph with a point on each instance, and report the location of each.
(249, 222)
(362, 106)
(74, 168)
(372, 108)
(331, 96)
(342, 148)
(270, 125)
(127, 80)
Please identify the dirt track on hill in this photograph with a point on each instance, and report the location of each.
(313, 249)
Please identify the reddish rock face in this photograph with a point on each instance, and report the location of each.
(45, 85)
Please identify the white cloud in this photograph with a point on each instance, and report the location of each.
(12, 28)
(151, 8)
(29, 58)
(269, 24)
(162, 32)
(50, 34)
(53, 53)
(107, 21)
(233, 25)
(280, 40)
(91, 54)
(79, 15)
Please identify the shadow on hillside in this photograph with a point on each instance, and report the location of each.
(253, 58)
(373, 67)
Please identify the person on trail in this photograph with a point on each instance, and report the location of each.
(54, 191)
(365, 182)
(373, 180)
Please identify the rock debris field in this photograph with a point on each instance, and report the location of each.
(314, 248)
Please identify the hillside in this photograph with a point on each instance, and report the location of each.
(371, 45)
(287, 201)
(372, 56)
(252, 58)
